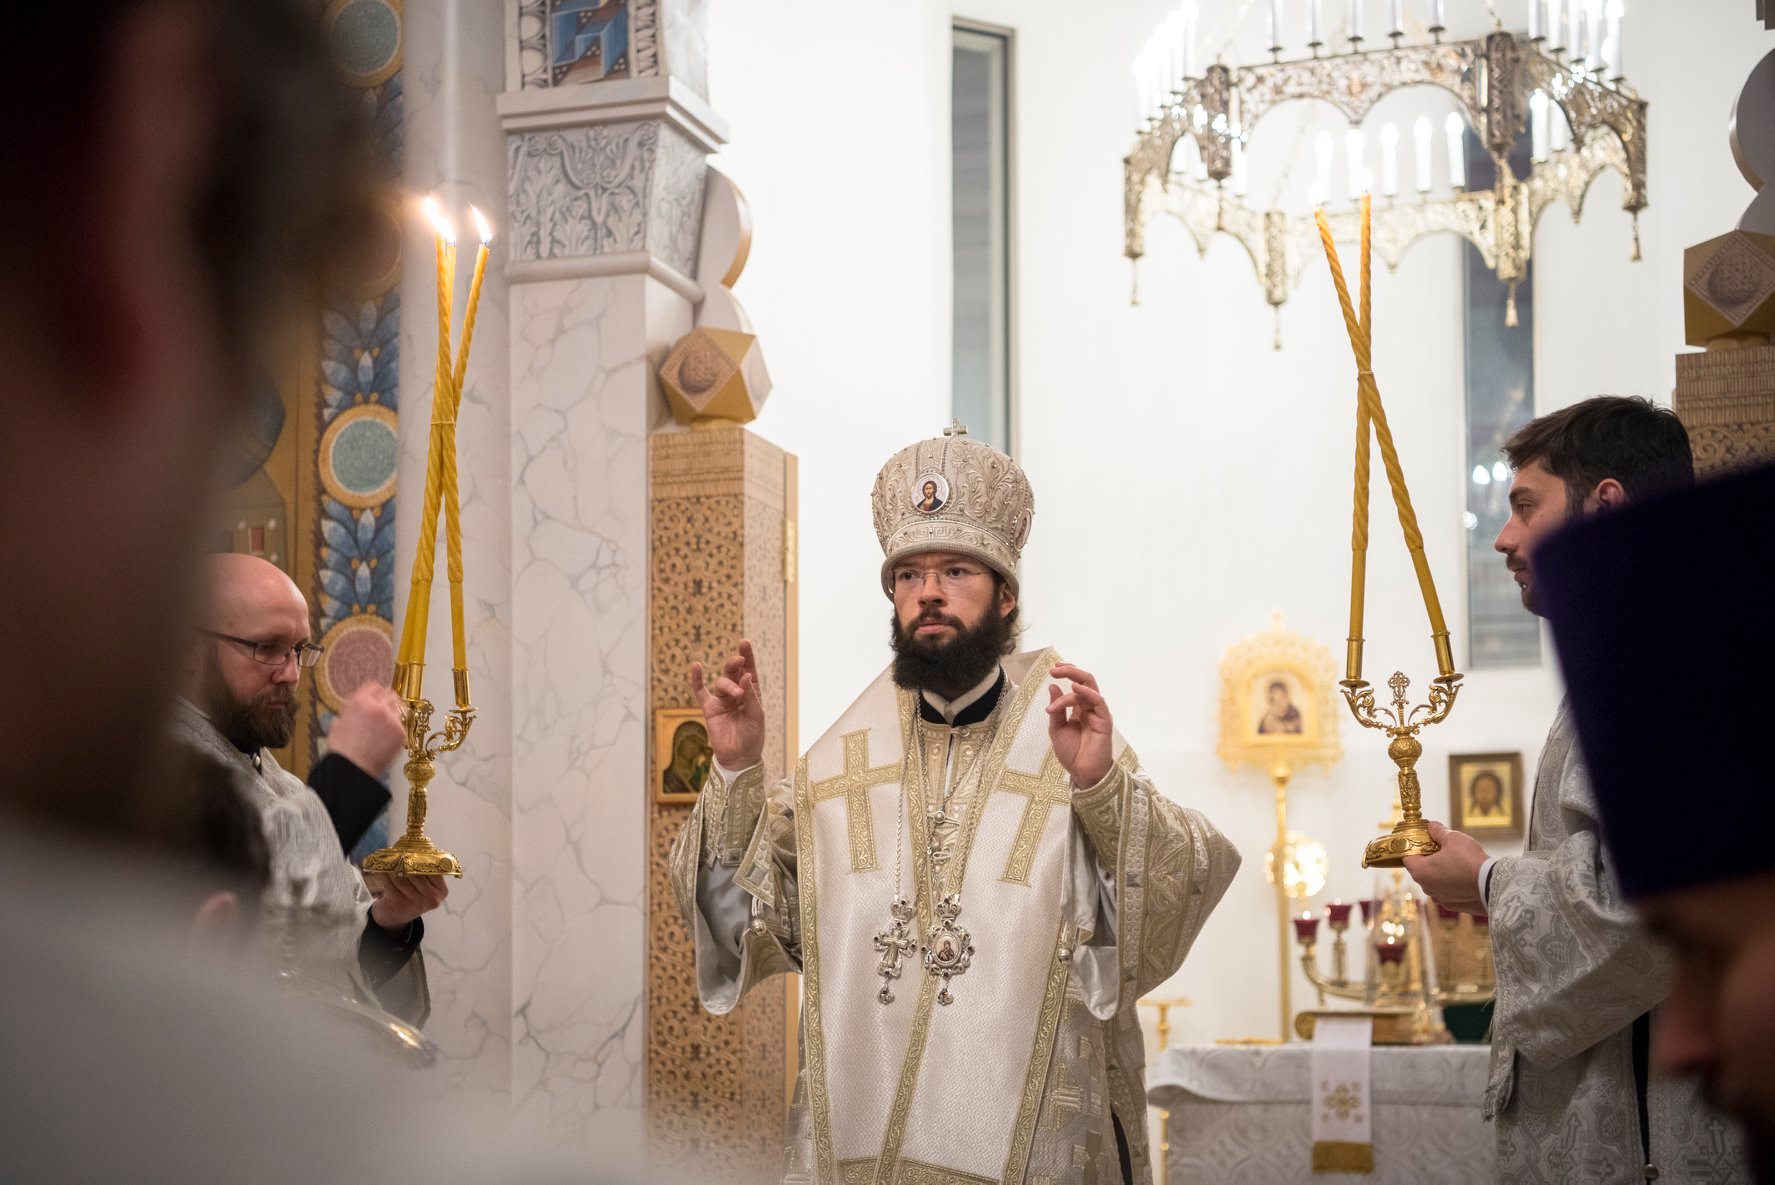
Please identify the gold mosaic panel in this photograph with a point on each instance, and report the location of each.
(716, 1086)
(1726, 399)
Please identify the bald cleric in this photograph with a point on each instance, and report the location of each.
(1662, 619)
(239, 702)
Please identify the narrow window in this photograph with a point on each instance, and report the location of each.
(1500, 391)
(980, 149)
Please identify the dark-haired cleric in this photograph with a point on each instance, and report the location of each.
(1571, 1092)
(970, 868)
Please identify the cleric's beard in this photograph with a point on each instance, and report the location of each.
(267, 721)
(953, 666)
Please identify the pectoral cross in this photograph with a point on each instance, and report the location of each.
(894, 943)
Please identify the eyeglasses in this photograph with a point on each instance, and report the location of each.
(950, 577)
(275, 654)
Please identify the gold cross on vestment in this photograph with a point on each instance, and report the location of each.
(1046, 790)
(853, 785)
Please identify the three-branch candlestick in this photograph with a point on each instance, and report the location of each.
(1409, 836)
(413, 854)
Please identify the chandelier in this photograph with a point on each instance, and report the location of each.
(1562, 86)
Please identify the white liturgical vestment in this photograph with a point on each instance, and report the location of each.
(1069, 904)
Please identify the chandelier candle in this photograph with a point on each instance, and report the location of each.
(1410, 836)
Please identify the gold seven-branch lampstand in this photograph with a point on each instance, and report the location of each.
(1409, 837)
(414, 854)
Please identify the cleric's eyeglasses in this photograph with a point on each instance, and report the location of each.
(950, 577)
(275, 654)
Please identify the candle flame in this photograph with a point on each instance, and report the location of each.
(434, 214)
(482, 226)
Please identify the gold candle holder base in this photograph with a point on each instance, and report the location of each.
(1410, 836)
(413, 854)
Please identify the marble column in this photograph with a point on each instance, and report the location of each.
(606, 138)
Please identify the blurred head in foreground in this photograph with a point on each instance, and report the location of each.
(1661, 617)
(179, 173)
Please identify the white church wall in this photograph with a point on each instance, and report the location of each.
(1189, 479)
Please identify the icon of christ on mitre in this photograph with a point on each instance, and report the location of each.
(970, 868)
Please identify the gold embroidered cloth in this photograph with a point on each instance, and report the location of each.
(1077, 903)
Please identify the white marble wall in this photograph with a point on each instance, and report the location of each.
(454, 68)
(582, 358)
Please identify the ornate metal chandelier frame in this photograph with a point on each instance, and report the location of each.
(1492, 78)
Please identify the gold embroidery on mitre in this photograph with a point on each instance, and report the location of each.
(984, 505)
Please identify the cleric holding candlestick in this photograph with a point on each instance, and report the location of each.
(970, 868)
(243, 665)
(1673, 596)
(1570, 1090)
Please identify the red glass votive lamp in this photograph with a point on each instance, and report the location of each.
(1369, 905)
(1338, 914)
(1306, 927)
(1447, 915)
(1390, 952)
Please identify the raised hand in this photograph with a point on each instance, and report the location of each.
(1079, 726)
(734, 709)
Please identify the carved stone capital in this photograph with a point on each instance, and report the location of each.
(1729, 288)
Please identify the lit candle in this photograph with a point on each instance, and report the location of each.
(413, 629)
(1315, 22)
(1306, 927)
(1354, 144)
(1355, 20)
(1421, 139)
(1456, 128)
(1323, 149)
(1538, 135)
(1390, 952)
(1171, 36)
(1616, 11)
(1275, 24)
(1390, 159)
(1189, 41)
(452, 523)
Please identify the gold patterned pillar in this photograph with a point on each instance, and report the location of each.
(722, 525)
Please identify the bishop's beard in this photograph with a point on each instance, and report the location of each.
(949, 667)
(266, 721)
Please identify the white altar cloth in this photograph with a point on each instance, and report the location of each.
(1240, 1115)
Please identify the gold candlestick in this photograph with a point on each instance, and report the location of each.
(1409, 836)
(414, 854)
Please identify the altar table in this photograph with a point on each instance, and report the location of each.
(1239, 1115)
